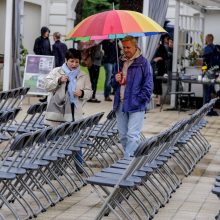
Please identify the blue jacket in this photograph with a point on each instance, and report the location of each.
(139, 86)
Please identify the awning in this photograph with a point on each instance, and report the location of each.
(203, 5)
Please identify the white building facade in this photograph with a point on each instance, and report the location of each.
(57, 15)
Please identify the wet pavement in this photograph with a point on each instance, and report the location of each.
(192, 201)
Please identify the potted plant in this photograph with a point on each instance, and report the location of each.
(23, 54)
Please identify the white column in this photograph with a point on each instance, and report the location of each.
(143, 39)
(8, 45)
(70, 16)
(22, 17)
(146, 7)
(175, 46)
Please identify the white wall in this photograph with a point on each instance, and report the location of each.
(61, 17)
(2, 25)
(31, 25)
(212, 26)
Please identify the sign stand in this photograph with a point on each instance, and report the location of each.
(36, 69)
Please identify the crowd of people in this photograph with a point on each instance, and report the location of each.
(106, 54)
(133, 80)
(101, 54)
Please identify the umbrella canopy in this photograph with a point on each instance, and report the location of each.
(114, 24)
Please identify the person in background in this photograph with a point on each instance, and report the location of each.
(170, 55)
(96, 56)
(109, 61)
(165, 41)
(79, 88)
(209, 61)
(42, 47)
(133, 86)
(58, 50)
(170, 45)
(159, 60)
(42, 43)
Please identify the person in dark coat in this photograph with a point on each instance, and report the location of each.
(58, 50)
(42, 43)
(42, 47)
(109, 61)
(159, 60)
(209, 61)
(96, 56)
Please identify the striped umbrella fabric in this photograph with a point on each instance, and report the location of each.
(114, 24)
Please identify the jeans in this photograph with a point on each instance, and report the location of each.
(208, 91)
(94, 76)
(108, 73)
(129, 127)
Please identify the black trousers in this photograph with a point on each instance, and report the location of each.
(94, 76)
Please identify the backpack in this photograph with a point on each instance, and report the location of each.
(86, 59)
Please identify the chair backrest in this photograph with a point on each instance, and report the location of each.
(66, 126)
(98, 118)
(6, 116)
(35, 136)
(44, 106)
(111, 115)
(21, 141)
(24, 91)
(33, 109)
(72, 128)
(56, 132)
(41, 108)
(11, 93)
(45, 133)
(16, 111)
(145, 147)
(4, 94)
(84, 122)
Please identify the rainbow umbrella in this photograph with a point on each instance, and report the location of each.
(114, 24)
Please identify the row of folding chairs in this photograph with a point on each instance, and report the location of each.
(39, 170)
(9, 127)
(137, 187)
(6, 118)
(10, 105)
(216, 191)
(100, 144)
(32, 121)
(12, 98)
(104, 142)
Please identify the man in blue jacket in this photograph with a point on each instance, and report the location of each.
(133, 86)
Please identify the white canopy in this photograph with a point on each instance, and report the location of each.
(203, 5)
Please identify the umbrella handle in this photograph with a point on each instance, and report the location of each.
(116, 44)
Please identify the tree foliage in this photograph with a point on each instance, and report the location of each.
(91, 7)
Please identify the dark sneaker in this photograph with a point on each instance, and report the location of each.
(212, 113)
(94, 100)
(108, 99)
